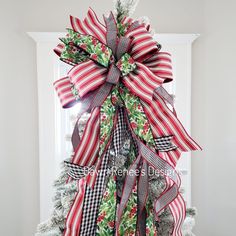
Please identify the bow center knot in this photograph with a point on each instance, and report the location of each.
(121, 68)
(113, 74)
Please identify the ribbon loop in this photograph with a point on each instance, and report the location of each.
(112, 32)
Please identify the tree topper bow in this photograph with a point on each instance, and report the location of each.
(104, 56)
(100, 59)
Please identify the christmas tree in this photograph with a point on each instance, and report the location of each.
(121, 178)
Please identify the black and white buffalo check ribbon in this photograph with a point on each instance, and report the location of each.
(164, 143)
(93, 196)
(77, 172)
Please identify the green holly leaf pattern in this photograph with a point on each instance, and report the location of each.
(107, 210)
(72, 54)
(138, 120)
(89, 46)
(122, 28)
(107, 114)
(126, 64)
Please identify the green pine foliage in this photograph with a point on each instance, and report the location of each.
(62, 201)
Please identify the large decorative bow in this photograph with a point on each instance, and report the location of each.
(103, 57)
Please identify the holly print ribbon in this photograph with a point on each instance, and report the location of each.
(120, 64)
(107, 210)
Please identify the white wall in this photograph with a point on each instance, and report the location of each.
(214, 115)
(213, 98)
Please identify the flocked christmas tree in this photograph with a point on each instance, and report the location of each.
(121, 178)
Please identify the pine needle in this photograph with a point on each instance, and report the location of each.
(124, 8)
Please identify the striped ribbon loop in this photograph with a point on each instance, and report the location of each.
(63, 88)
(96, 99)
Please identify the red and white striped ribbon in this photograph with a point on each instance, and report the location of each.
(143, 45)
(89, 26)
(72, 227)
(63, 88)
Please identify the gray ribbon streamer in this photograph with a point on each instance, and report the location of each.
(160, 91)
(143, 185)
(166, 198)
(158, 163)
(135, 25)
(142, 198)
(161, 165)
(75, 138)
(148, 157)
(127, 189)
(122, 46)
(112, 32)
(164, 94)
